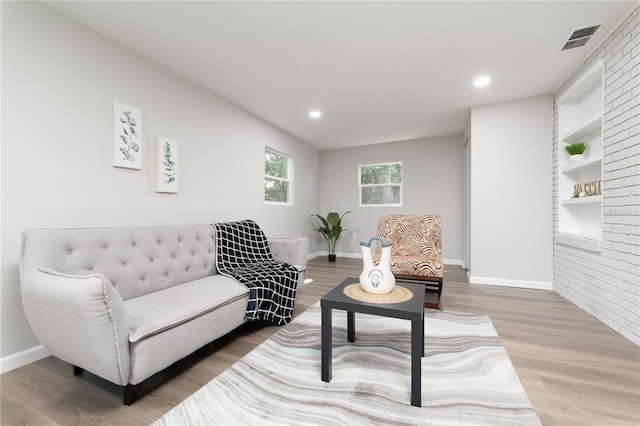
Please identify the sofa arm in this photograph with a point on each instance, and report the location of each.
(80, 319)
(293, 251)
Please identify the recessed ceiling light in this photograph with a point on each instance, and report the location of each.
(315, 114)
(482, 81)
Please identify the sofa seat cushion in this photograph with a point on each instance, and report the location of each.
(155, 312)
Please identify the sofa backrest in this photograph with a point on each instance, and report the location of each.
(137, 260)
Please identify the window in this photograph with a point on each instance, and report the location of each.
(278, 172)
(381, 184)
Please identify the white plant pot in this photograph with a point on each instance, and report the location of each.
(576, 158)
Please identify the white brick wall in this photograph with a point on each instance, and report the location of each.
(605, 281)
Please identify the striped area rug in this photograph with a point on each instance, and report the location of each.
(467, 377)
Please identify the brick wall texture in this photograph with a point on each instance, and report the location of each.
(606, 284)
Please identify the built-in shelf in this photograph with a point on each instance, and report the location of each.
(582, 200)
(591, 79)
(587, 163)
(579, 241)
(579, 132)
(580, 119)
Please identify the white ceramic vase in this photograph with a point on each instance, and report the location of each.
(376, 279)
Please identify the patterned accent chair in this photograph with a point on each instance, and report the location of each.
(417, 250)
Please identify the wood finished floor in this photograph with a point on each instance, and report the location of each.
(575, 370)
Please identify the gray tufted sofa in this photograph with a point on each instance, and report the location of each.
(125, 303)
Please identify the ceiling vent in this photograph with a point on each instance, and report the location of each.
(578, 37)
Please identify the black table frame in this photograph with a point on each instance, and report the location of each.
(412, 310)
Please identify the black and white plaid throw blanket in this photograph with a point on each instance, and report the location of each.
(242, 253)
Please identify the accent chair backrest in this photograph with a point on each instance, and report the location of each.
(412, 235)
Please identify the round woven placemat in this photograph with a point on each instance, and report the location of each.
(399, 294)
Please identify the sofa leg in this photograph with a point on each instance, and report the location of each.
(77, 370)
(131, 393)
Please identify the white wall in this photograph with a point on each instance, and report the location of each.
(59, 81)
(606, 283)
(432, 184)
(511, 192)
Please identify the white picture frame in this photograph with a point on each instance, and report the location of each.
(167, 175)
(127, 136)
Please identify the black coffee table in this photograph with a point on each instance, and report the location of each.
(412, 310)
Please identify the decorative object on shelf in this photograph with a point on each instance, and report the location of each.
(377, 279)
(166, 165)
(579, 119)
(331, 229)
(586, 189)
(127, 136)
(576, 151)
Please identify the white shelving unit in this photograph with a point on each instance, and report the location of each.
(586, 200)
(580, 119)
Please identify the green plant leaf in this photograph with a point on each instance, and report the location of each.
(333, 218)
(135, 147)
(576, 148)
(323, 220)
(332, 228)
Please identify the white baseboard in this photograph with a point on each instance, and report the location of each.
(537, 285)
(13, 361)
(326, 253)
(457, 262)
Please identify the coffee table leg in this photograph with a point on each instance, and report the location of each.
(417, 348)
(327, 346)
(351, 326)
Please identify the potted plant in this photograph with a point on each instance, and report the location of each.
(576, 151)
(331, 230)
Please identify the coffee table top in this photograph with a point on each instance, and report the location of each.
(336, 299)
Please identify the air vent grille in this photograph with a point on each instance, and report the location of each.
(578, 37)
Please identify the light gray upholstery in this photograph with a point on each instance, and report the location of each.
(136, 261)
(156, 312)
(125, 303)
(80, 319)
(293, 251)
(159, 351)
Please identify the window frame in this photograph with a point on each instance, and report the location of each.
(388, 184)
(288, 180)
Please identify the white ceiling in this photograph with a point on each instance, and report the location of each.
(379, 71)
